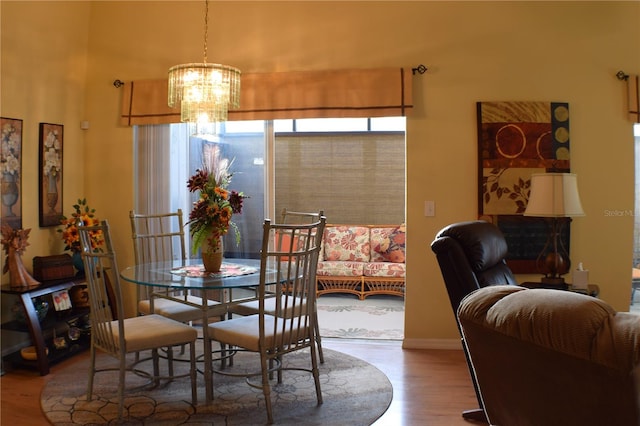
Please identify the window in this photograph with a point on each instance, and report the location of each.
(353, 169)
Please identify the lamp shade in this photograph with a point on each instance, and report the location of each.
(554, 195)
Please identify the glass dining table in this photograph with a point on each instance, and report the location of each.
(189, 276)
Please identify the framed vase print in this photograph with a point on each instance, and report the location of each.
(50, 174)
(11, 169)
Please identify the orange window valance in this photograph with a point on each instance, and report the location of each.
(304, 94)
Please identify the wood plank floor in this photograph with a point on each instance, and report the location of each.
(430, 387)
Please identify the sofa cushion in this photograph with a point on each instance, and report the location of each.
(388, 244)
(340, 268)
(346, 243)
(384, 269)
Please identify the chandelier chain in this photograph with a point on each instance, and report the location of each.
(204, 92)
(206, 28)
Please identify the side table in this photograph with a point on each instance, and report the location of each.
(592, 289)
(33, 324)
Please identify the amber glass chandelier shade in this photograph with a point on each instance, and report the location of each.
(205, 92)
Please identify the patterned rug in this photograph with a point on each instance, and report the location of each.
(354, 393)
(376, 317)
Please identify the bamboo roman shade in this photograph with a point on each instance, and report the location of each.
(381, 92)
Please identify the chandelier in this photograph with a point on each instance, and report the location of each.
(204, 91)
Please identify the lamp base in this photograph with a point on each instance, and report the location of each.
(554, 282)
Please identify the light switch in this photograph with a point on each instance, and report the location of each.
(429, 208)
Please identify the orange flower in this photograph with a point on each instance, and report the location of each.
(69, 231)
(210, 217)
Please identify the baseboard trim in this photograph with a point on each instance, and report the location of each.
(431, 344)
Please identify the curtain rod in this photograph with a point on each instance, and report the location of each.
(622, 75)
(421, 69)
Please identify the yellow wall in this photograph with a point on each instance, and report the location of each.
(59, 60)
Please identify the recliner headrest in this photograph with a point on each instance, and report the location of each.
(483, 242)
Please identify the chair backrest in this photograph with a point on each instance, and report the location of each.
(471, 255)
(289, 256)
(552, 357)
(289, 216)
(103, 281)
(158, 237)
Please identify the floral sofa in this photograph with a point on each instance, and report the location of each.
(362, 260)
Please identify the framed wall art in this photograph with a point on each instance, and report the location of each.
(50, 166)
(11, 168)
(515, 140)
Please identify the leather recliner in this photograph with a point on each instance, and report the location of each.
(552, 357)
(471, 255)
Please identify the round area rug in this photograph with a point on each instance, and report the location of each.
(354, 393)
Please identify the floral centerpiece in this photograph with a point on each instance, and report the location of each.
(69, 230)
(210, 218)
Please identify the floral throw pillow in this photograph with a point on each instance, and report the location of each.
(395, 252)
(347, 243)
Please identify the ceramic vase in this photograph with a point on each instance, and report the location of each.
(52, 194)
(76, 258)
(212, 255)
(9, 192)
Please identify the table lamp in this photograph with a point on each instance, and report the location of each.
(554, 196)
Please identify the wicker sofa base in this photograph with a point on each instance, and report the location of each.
(360, 286)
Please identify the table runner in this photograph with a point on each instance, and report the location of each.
(227, 270)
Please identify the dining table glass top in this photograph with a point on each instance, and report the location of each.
(190, 274)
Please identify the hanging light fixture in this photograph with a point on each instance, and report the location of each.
(204, 91)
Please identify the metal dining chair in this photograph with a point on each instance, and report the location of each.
(160, 237)
(119, 337)
(291, 327)
(251, 306)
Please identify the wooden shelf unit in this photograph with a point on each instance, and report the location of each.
(41, 333)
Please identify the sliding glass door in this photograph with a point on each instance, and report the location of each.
(352, 169)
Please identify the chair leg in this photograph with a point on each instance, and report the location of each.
(223, 350)
(477, 414)
(280, 370)
(316, 374)
(92, 372)
(194, 379)
(121, 381)
(318, 338)
(266, 388)
(156, 367)
(170, 360)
